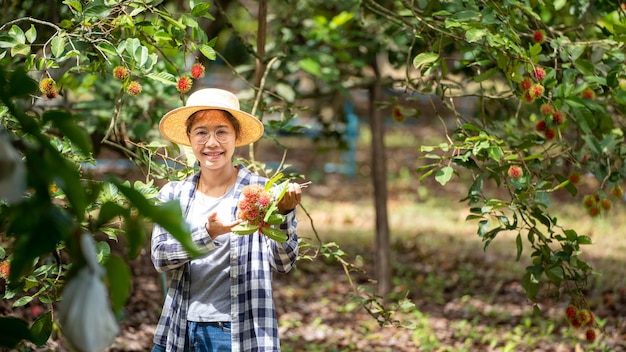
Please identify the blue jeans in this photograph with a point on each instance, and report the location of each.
(205, 337)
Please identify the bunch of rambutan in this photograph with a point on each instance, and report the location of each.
(184, 83)
(254, 205)
(599, 202)
(582, 318)
(48, 87)
(258, 210)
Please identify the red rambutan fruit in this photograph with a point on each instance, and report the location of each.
(589, 201)
(133, 88)
(397, 114)
(570, 312)
(539, 73)
(120, 72)
(4, 269)
(589, 93)
(536, 91)
(558, 117)
(590, 335)
(527, 97)
(574, 178)
(541, 126)
(515, 172)
(617, 191)
(539, 36)
(184, 84)
(197, 71)
(546, 109)
(46, 84)
(606, 204)
(526, 83)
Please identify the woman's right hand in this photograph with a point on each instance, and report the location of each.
(215, 227)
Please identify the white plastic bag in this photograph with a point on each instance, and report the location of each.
(85, 313)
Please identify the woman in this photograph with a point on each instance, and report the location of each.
(221, 301)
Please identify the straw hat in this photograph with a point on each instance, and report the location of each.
(172, 125)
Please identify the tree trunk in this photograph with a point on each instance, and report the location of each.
(379, 177)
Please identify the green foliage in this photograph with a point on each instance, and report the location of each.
(579, 78)
(54, 129)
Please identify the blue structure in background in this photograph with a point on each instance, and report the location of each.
(347, 165)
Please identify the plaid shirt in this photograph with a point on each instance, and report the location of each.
(252, 258)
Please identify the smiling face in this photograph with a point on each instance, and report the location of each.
(212, 134)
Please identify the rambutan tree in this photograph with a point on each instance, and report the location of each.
(538, 93)
(80, 77)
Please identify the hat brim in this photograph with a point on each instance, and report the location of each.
(173, 124)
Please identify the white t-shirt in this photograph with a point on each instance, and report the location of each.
(210, 274)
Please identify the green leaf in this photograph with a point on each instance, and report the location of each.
(103, 251)
(426, 174)
(341, 19)
(311, 66)
(166, 16)
(475, 34)
(68, 126)
(167, 215)
(275, 234)
(207, 51)
(13, 330)
(201, 9)
(486, 75)
(244, 229)
(162, 37)
(18, 34)
(530, 285)
(6, 41)
(135, 235)
(141, 55)
(585, 67)
(483, 227)
(584, 240)
(555, 274)
(278, 192)
(424, 60)
(110, 210)
(20, 84)
(163, 77)
(41, 329)
(31, 34)
(22, 301)
(495, 153)
(74, 4)
(97, 10)
(58, 46)
(559, 4)
(535, 50)
(444, 175)
(467, 15)
(120, 279)
(38, 229)
(20, 49)
(620, 96)
(275, 219)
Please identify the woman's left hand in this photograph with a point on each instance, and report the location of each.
(291, 199)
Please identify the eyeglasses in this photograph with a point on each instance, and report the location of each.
(222, 135)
